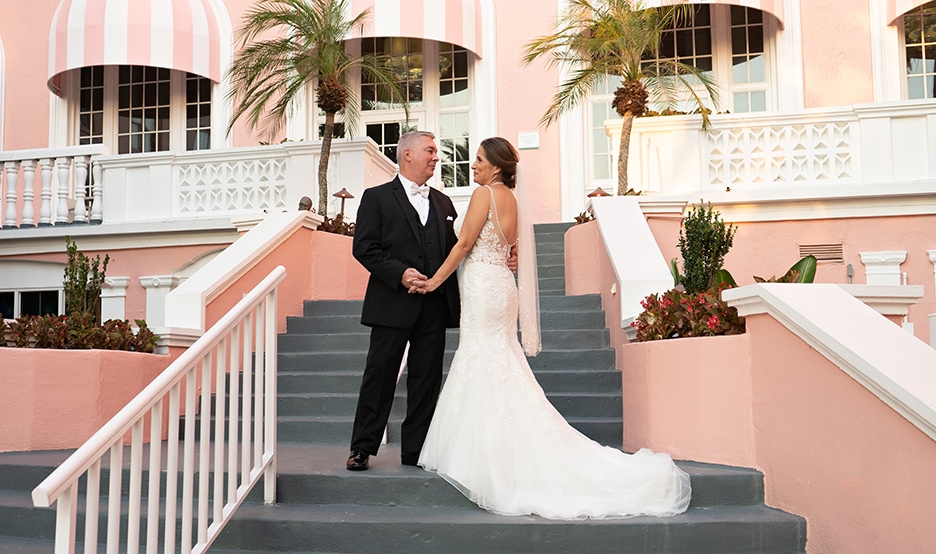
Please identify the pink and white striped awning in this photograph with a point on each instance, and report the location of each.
(454, 21)
(174, 34)
(773, 7)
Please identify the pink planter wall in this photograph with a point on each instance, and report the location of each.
(690, 397)
(55, 399)
(831, 451)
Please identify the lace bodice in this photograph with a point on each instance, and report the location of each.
(490, 247)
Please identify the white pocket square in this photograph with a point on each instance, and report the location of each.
(449, 218)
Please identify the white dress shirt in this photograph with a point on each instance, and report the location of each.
(417, 200)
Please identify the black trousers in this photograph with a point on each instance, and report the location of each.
(423, 381)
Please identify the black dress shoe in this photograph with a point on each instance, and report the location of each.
(409, 458)
(358, 460)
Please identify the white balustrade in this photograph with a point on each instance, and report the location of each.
(236, 362)
(872, 144)
(56, 167)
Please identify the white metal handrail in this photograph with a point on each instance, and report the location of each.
(243, 345)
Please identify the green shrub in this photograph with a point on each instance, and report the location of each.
(704, 240)
(83, 281)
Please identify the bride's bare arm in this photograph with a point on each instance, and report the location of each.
(474, 220)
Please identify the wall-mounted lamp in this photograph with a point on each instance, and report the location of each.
(598, 192)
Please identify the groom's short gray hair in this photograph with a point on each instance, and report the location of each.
(408, 140)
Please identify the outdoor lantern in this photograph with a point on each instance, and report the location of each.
(343, 194)
(598, 192)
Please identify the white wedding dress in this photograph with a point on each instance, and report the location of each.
(499, 441)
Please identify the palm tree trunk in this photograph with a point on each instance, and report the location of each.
(627, 125)
(323, 162)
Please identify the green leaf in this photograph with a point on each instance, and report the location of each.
(722, 277)
(805, 270)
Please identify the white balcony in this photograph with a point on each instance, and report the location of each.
(865, 150)
(177, 187)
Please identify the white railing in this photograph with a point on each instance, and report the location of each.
(62, 194)
(871, 144)
(237, 182)
(233, 454)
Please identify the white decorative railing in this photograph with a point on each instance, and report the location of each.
(236, 449)
(236, 182)
(63, 185)
(865, 144)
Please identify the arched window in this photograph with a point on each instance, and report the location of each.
(919, 46)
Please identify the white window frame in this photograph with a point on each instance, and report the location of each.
(425, 117)
(904, 76)
(177, 111)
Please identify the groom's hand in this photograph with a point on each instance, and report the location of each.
(410, 279)
(512, 259)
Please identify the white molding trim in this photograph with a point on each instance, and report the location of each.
(886, 299)
(791, 85)
(889, 362)
(221, 108)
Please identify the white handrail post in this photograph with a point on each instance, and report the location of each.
(11, 170)
(29, 193)
(270, 391)
(113, 498)
(66, 519)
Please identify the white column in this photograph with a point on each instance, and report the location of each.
(114, 298)
(11, 170)
(883, 268)
(157, 287)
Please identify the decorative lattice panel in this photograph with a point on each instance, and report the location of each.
(232, 187)
(792, 154)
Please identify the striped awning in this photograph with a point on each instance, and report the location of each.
(897, 8)
(173, 34)
(773, 7)
(454, 21)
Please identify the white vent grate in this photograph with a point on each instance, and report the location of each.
(823, 252)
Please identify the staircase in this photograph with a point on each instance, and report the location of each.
(393, 508)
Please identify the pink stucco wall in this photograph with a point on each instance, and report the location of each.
(55, 399)
(831, 451)
(133, 263)
(319, 266)
(519, 111)
(836, 52)
(690, 397)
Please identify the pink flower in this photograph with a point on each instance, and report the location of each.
(713, 322)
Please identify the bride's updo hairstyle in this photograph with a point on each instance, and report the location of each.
(501, 154)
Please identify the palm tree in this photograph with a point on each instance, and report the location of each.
(285, 44)
(601, 38)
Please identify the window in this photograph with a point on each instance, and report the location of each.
(728, 42)
(16, 303)
(920, 44)
(144, 109)
(436, 79)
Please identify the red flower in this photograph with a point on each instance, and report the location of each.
(713, 322)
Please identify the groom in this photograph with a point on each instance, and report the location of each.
(404, 232)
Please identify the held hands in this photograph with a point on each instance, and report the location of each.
(422, 286)
(411, 278)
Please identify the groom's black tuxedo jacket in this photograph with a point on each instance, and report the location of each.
(387, 242)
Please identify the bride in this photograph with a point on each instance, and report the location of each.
(494, 435)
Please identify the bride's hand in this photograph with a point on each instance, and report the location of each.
(423, 286)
